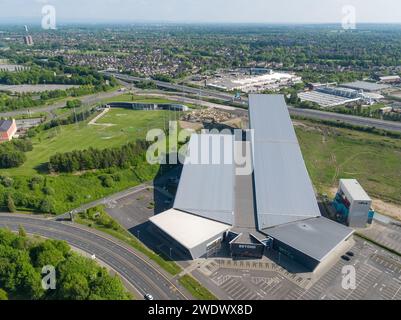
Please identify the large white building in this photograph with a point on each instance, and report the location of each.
(254, 83)
(269, 209)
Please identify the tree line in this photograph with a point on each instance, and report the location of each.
(80, 160)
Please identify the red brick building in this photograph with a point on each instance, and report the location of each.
(8, 128)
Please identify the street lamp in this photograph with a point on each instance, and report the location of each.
(170, 252)
(138, 233)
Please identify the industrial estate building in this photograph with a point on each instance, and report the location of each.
(8, 128)
(257, 81)
(330, 95)
(268, 208)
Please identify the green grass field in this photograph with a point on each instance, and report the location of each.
(334, 153)
(128, 125)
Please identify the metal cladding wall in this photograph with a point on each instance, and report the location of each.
(283, 189)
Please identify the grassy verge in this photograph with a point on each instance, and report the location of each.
(360, 235)
(196, 289)
(103, 222)
(333, 153)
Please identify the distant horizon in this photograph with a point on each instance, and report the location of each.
(35, 23)
(205, 11)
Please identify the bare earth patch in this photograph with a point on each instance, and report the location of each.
(387, 209)
(190, 125)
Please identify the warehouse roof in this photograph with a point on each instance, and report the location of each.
(364, 85)
(5, 125)
(207, 181)
(315, 237)
(283, 189)
(188, 229)
(355, 190)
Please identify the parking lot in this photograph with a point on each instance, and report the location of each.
(378, 277)
(388, 235)
(135, 209)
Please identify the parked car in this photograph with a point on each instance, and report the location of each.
(346, 258)
(350, 254)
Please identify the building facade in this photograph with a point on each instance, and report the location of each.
(8, 128)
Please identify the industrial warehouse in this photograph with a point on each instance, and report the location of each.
(268, 210)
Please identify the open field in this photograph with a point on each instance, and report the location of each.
(72, 190)
(128, 125)
(334, 153)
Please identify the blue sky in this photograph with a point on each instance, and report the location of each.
(240, 11)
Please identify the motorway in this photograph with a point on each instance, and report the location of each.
(359, 121)
(308, 113)
(139, 273)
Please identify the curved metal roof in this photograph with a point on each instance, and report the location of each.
(283, 189)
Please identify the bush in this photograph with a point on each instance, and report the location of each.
(35, 181)
(6, 181)
(48, 191)
(47, 206)
(10, 204)
(108, 182)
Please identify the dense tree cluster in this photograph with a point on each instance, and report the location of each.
(77, 278)
(122, 157)
(12, 153)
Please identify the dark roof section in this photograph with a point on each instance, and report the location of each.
(315, 237)
(5, 125)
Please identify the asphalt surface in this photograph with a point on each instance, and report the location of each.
(118, 256)
(316, 114)
(361, 121)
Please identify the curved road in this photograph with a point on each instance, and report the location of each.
(120, 257)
